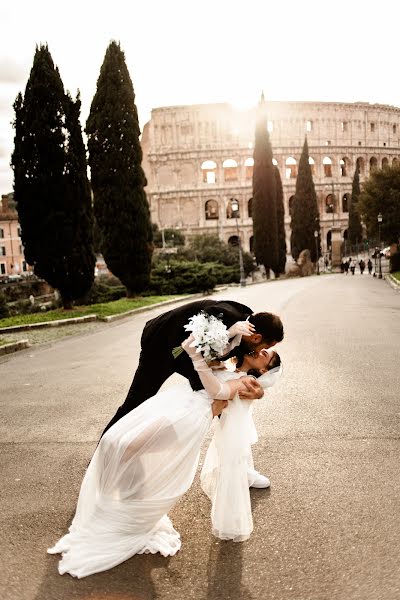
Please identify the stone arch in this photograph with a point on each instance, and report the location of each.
(385, 162)
(211, 210)
(330, 203)
(209, 168)
(344, 166)
(230, 168)
(346, 202)
(249, 165)
(311, 162)
(373, 163)
(327, 164)
(291, 167)
(360, 162)
(251, 242)
(250, 208)
(395, 161)
(233, 240)
(230, 213)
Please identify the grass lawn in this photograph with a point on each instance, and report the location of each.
(102, 310)
(396, 275)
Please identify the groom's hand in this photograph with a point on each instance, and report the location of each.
(252, 389)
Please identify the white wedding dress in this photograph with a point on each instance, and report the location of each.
(142, 466)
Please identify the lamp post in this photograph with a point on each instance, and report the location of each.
(380, 219)
(235, 210)
(316, 249)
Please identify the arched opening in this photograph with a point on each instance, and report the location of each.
(345, 203)
(233, 240)
(345, 235)
(373, 163)
(291, 167)
(361, 165)
(329, 204)
(329, 239)
(291, 200)
(251, 241)
(311, 162)
(230, 169)
(233, 209)
(385, 163)
(249, 164)
(344, 166)
(274, 162)
(211, 209)
(327, 163)
(394, 161)
(209, 171)
(250, 208)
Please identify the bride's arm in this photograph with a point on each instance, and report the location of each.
(213, 386)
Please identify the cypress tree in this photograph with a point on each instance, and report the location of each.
(305, 214)
(280, 209)
(265, 225)
(354, 232)
(115, 156)
(50, 182)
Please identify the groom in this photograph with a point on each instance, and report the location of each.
(163, 333)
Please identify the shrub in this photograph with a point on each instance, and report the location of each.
(103, 292)
(4, 311)
(182, 278)
(395, 262)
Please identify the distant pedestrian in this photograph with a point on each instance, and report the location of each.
(353, 267)
(342, 266)
(361, 264)
(346, 267)
(369, 265)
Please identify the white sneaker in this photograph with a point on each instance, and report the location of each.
(256, 480)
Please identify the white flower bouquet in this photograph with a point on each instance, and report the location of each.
(210, 336)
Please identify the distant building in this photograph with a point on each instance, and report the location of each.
(198, 158)
(12, 259)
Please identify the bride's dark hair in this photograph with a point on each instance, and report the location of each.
(273, 363)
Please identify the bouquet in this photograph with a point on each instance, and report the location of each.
(210, 336)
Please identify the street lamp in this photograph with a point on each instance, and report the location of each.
(380, 219)
(316, 250)
(235, 211)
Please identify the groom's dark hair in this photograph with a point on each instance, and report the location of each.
(268, 325)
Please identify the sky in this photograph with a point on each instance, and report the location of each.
(203, 51)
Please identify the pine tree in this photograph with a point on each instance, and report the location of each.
(305, 214)
(354, 232)
(265, 223)
(50, 182)
(118, 181)
(281, 225)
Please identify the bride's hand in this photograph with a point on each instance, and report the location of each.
(218, 406)
(252, 389)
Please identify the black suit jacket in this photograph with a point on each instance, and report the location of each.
(162, 334)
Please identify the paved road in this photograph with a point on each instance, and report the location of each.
(329, 528)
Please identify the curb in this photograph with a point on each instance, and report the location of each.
(57, 323)
(392, 282)
(14, 347)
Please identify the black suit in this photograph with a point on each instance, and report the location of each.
(159, 337)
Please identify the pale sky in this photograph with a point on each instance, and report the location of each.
(200, 51)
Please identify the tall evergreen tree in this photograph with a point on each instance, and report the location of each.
(265, 223)
(305, 214)
(118, 181)
(280, 210)
(354, 232)
(50, 182)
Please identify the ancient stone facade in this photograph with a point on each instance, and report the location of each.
(198, 158)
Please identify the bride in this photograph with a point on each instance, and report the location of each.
(144, 463)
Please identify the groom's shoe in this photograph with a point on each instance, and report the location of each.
(256, 480)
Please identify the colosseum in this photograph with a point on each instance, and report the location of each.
(199, 158)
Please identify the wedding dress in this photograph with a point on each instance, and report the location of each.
(145, 462)
(142, 466)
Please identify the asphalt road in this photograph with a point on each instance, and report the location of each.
(329, 528)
